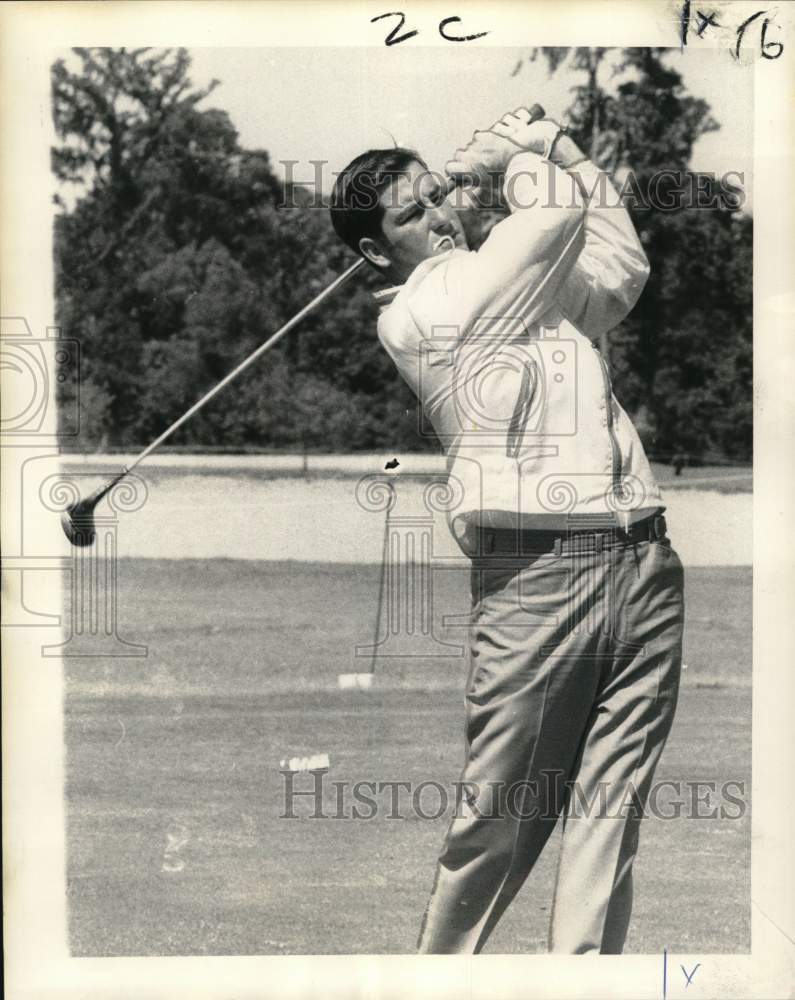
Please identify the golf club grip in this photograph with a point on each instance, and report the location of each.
(536, 112)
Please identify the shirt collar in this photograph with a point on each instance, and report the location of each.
(385, 295)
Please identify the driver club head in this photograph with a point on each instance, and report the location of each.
(77, 522)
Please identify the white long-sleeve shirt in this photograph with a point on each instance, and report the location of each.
(497, 344)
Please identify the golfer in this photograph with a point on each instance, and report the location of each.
(577, 595)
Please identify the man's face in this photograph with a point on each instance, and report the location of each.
(418, 222)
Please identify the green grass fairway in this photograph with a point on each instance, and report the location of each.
(183, 748)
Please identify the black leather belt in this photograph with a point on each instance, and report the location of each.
(577, 538)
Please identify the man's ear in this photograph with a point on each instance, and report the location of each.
(372, 252)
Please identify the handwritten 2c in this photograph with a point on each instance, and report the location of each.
(445, 30)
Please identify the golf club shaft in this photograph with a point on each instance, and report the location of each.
(247, 362)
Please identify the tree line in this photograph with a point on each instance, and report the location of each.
(180, 251)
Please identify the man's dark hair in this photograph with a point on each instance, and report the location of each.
(355, 207)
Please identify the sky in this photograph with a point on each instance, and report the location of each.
(331, 103)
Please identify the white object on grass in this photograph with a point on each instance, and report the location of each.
(355, 680)
(176, 838)
(315, 762)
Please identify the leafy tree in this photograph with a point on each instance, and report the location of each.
(108, 112)
(181, 252)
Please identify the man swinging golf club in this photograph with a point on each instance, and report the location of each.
(577, 595)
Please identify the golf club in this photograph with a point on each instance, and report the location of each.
(78, 519)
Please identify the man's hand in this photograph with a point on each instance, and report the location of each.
(526, 134)
(482, 162)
